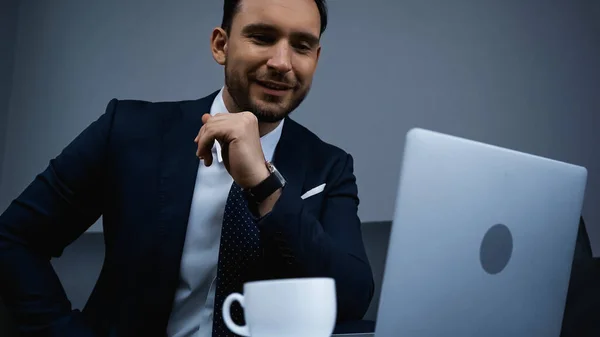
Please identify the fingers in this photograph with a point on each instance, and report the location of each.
(205, 140)
(219, 127)
(205, 118)
(208, 134)
(205, 143)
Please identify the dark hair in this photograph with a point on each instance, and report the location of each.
(230, 8)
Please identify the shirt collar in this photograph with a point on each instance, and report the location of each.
(268, 141)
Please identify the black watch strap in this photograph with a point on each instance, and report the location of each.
(264, 189)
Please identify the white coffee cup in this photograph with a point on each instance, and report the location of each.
(304, 307)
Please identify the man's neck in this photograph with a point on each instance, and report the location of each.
(263, 127)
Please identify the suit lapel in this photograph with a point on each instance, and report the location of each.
(177, 177)
(290, 156)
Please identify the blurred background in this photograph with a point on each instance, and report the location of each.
(519, 74)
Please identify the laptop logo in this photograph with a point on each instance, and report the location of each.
(496, 249)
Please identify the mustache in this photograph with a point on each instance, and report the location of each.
(276, 77)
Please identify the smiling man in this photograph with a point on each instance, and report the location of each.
(197, 197)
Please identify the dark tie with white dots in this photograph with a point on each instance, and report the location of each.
(239, 248)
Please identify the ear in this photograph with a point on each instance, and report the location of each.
(318, 55)
(218, 45)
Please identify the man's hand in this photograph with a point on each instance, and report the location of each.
(240, 142)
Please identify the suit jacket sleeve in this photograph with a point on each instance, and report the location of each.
(326, 246)
(55, 209)
(582, 308)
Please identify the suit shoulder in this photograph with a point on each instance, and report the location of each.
(318, 146)
(134, 106)
(132, 119)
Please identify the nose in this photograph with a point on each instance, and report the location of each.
(281, 59)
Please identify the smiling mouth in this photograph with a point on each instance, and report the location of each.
(274, 85)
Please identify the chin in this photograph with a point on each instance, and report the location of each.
(269, 112)
(269, 109)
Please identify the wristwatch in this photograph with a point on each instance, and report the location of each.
(265, 188)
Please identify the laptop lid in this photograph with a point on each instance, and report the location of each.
(481, 243)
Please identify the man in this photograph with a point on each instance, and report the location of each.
(197, 197)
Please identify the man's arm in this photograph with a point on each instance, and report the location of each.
(327, 246)
(56, 208)
(582, 308)
(330, 245)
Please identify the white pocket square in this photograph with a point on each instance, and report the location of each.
(313, 191)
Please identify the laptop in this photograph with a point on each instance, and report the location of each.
(482, 241)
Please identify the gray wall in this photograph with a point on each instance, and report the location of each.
(8, 34)
(519, 74)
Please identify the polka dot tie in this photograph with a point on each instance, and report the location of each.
(239, 248)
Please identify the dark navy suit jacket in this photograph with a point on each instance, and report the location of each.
(136, 166)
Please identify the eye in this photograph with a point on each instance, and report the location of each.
(303, 47)
(262, 39)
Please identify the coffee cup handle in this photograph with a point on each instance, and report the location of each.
(240, 330)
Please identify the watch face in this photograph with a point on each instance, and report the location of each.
(276, 173)
(264, 189)
(279, 176)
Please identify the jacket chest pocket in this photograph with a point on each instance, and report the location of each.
(313, 199)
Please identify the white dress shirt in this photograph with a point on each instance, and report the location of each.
(194, 298)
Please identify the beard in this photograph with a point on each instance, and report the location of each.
(270, 109)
